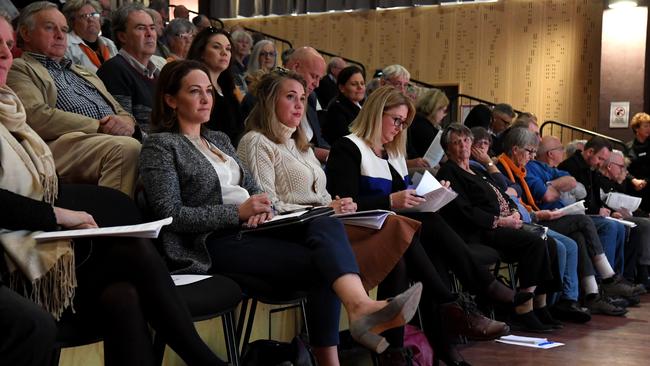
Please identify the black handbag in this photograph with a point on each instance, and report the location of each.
(265, 352)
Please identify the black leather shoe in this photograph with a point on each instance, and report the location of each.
(546, 318)
(569, 310)
(528, 322)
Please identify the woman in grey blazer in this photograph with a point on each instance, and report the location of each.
(193, 175)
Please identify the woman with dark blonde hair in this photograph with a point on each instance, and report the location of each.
(431, 109)
(369, 165)
(194, 175)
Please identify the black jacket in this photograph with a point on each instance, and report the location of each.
(340, 113)
(591, 179)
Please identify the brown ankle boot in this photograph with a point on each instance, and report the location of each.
(463, 318)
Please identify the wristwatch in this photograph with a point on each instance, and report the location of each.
(490, 164)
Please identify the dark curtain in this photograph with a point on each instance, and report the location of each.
(249, 8)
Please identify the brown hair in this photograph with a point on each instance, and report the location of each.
(263, 118)
(163, 117)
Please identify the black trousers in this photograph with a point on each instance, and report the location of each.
(124, 286)
(27, 332)
(304, 257)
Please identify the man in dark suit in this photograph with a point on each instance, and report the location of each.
(328, 89)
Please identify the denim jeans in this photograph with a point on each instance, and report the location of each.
(612, 236)
(567, 257)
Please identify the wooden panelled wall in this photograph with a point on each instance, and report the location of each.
(539, 55)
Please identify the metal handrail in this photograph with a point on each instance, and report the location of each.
(349, 60)
(583, 131)
(482, 101)
(270, 36)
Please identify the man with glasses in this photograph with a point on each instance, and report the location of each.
(131, 75)
(615, 179)
(397, 76)
(85, 46)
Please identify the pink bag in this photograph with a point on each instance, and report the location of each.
(415, 339)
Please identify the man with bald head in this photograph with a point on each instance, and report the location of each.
(328, 88)
(180, 11)
(615, 179)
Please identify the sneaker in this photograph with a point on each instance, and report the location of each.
(463, 318)
(616, 286)
(599, 305)
(570, 310)
(618, 301)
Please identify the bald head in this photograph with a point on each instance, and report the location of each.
(309, 64)
(180, 11)
(550, 150)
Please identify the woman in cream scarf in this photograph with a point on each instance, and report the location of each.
(120, 284)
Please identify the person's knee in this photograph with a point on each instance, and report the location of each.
(119, 298)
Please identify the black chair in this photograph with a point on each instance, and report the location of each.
(72, 331)
(213, 297)
(257, 290)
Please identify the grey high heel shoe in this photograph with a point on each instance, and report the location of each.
(398, 312)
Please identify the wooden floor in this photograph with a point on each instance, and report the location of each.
(605, 340)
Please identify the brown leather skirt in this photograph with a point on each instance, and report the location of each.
(378, 251)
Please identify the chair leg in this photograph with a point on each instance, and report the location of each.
(303, 306)
(249, 326)
(242, 316)
(231, 341)
(513, 277)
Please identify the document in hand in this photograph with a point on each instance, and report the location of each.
(373, 219)
(577, 208)
(148, 230)
(434, 153)
(616, 201)
(293, 218)
(436, 195)
(624, 222)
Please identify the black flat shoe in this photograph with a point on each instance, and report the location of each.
(546, 318)
(569, 310)
(528, 322)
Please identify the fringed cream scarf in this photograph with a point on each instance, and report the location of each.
(44, 272)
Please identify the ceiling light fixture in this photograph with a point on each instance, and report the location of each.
(618, 4)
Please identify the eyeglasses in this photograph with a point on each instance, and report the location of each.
(532, 152)
(269, 54)
(185, 36)
(622, 166)
(561, 148)
(398, 121)
(89, 16)
(279, 70)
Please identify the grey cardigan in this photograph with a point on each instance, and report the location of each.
(180, 182)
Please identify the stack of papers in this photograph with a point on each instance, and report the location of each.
(616, 201)
(577, 208)
(436, 195)
(149, 230)
(434, 153)
(624, 222)
(542, 343)
(373, 219)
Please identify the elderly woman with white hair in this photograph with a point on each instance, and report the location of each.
(397, 76)
(263, 57)
(85, 46)
(178, 36)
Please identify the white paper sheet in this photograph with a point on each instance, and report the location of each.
(373, 219)
(577, 208)
(181, 280)
(148, 230)
(624, 222)
(434, 153)
(436, 195)
(616, 201)
(541, 343)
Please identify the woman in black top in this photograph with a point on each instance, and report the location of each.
(213, 47)
(431, 109)
(343, 109)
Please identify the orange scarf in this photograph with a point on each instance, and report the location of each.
(511, 170)
(93, 56)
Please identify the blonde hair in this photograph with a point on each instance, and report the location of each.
(263, 118)
(638, 119)
(368, 124)
(431, 101)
